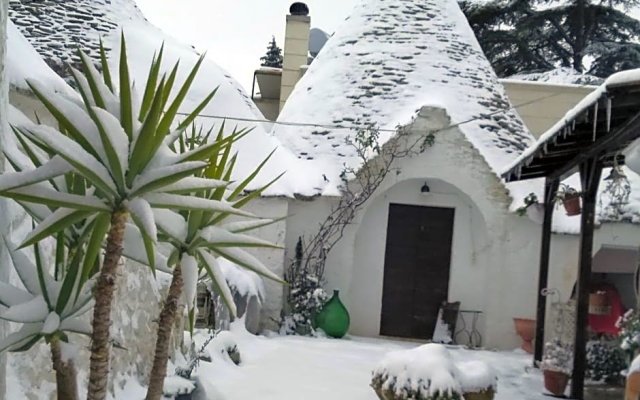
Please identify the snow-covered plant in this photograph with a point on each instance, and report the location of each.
(605, 362)
(118, 148)
(629, 335)
(530, 200)
(48, 308)
(428, 372)
(557, 357)
(565, 192)
(305, 297)
(197, 237)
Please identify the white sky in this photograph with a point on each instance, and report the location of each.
(236, 33)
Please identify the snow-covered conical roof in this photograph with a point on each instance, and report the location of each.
(388, 59)
(56, 28)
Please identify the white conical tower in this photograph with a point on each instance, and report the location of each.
(388, 59)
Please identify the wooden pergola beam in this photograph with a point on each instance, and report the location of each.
(590, 172)
(550, 189)
(628, 131)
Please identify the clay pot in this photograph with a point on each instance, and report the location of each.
(555, 382)
(526, 329)
(483, 395)
(333, 319)
(571, 204)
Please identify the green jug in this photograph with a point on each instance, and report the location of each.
(333, 319)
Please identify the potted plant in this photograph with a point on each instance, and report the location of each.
(556, 366)
(532, 208)
(570, 199)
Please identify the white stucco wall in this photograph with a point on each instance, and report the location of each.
(274, 259)
(494, 256)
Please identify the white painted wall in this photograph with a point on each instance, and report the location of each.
(274, 259)
(494, 258)
(4, 226)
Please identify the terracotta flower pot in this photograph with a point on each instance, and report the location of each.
(571, 204)
(526, 329)
(483, 395)
(555, 382)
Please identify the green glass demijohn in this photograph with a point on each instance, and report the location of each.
(333, 319)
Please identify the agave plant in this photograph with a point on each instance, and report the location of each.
(118, 145)
(198, 236)
(48, 308)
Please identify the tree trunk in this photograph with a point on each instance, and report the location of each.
(66, 381)
(165, 323)
(103, 295)
(580, 39)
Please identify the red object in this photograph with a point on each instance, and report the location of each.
(526, 329)
(607, 323)
(555, 382)
(572, 204)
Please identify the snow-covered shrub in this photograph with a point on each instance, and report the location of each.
(247, 290)
(305, 297)
(429, 373)
(629, 325)
(605, 362)
(557, 357)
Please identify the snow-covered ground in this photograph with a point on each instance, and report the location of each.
(292, 367)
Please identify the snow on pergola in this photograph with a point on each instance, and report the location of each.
(590, 137)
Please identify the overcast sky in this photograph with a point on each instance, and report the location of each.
(236, 33)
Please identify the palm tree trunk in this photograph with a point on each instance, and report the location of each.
(165, 323)
(66, 381)
(103, 294)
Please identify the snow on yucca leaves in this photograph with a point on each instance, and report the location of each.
(49, 307)
(198, 236)
(206, 235)
(120, 165)
(44, 306)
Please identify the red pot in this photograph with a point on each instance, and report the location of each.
(572, 204)
(526, 329)
(555, 382)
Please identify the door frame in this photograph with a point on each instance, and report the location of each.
(450, 274)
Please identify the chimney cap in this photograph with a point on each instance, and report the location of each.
(299, 8)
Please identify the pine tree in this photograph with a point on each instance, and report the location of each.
(539, 35)
(273, 57)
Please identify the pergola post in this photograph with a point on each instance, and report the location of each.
(590, 171)
(550, 189)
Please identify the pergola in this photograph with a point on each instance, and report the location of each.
(589, 138)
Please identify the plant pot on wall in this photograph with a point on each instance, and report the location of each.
(571, 203)
(555, 381)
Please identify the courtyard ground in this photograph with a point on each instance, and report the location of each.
(291, 367)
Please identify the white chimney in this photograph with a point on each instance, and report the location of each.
(296, 48)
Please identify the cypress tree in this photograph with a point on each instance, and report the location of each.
(273, 56)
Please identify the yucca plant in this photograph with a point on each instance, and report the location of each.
(49, 307)
(198, 236)
(118, 145)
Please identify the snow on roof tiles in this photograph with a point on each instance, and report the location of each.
(388, 60)
(55, 28)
